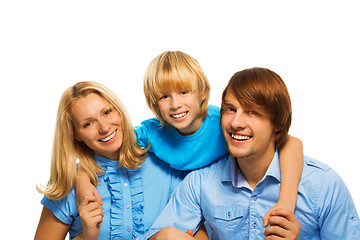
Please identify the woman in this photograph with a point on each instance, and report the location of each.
(92, 127)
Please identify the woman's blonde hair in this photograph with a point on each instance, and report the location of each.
(66, 150)
(175, 71)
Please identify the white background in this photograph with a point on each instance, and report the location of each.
(46, 46)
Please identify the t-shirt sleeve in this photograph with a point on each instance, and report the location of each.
(141, 135)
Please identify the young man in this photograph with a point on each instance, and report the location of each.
(234, 193)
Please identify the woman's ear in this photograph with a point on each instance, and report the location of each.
(76, 137)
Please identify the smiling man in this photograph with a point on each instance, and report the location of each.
(234, 193)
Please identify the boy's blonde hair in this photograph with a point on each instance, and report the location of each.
(66, 150)
(175, 71)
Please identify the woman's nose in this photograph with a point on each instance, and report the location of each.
(104, 127)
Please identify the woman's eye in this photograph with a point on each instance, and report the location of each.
(87, 124)
(108, 111)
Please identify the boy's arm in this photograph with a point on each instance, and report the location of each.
(291, 165)
(84, 187)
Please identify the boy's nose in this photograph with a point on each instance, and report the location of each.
(175, 102)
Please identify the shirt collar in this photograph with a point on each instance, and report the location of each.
(232, 172)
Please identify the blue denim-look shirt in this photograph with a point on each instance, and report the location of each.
(324, 207)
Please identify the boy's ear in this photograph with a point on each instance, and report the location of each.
(202, 98)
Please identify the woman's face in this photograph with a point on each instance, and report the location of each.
(98, 125)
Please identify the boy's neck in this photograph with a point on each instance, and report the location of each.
(192, 128)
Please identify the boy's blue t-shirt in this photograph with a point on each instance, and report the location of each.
(185, 152)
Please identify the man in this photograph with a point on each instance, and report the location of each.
(234, 193)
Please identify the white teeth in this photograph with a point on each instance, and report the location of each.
(108, 138)
(240, 137)
(179, 115)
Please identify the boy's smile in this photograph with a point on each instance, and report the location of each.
(181, 109)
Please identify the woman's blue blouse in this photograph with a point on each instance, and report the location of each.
(132, 198)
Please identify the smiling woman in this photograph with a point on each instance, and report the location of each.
(98, 125)
(93, 126)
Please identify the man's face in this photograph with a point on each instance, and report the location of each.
(248, 134)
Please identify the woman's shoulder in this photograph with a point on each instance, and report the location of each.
(64, 209)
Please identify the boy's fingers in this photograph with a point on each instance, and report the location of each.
(266, 219)
(189, 232)
(98, 198)
(284, 213)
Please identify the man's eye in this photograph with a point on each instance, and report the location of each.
(254, 113)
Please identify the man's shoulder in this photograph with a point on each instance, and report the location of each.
(313, 164)
(319, 174)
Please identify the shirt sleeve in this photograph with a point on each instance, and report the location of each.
(337, 214)
(141, 135)
(64, 209)
(183, 211)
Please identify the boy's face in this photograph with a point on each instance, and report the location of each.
(248, 134)
(181, 109)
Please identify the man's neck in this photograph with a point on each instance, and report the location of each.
(254, 168)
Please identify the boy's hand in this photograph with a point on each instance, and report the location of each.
(91, 216)
(277, 206)
(283, 225)
(85, 188)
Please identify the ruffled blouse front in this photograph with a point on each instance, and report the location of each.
(132, 198)
(125, 198)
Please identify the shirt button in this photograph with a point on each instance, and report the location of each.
(127, 206)
(126, 184)
(254, 225)
(255, 198)
(128, 229)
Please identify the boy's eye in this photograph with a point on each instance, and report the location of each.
(163, 97)
(184, 92)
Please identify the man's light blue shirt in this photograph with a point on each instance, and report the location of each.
(220, 195)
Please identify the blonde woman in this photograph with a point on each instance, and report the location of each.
(92, 127)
